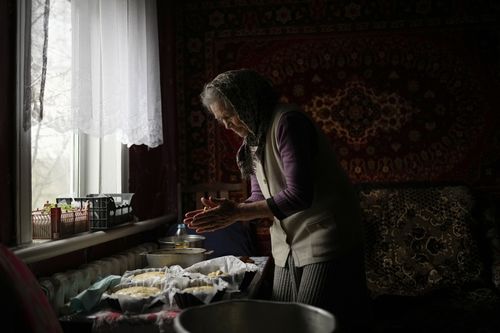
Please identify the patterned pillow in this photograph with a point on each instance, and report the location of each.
(419, 239)
(489, 214)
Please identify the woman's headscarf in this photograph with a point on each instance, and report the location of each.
(253, 99)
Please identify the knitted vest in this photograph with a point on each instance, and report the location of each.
(327, 229)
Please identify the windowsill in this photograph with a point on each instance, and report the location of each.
(49, 249)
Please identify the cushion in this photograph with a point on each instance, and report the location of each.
(419, 239)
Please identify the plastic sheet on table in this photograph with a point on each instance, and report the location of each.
(229, 268)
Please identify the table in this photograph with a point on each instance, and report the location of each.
(157, 320)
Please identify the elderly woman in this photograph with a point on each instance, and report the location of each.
(296, 180)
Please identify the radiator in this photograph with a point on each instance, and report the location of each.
(62, 286)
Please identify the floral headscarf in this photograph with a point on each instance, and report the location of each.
(253, 99)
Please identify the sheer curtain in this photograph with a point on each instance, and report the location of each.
(115, 70)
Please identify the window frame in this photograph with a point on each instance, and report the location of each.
(23, 136)
(89, 150)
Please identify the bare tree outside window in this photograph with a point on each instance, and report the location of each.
(51, 141)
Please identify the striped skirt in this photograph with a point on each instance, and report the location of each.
(338, 286)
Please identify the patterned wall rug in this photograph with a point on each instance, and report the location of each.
(401, 100)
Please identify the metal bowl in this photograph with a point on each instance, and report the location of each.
(245, 316)
(185, 241)
(181, 257)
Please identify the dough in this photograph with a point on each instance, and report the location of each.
(148, 275)
(216, 273)
(138, 291)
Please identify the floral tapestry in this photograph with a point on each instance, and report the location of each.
(404, 94)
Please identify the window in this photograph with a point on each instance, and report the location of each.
(63, 163)
(58, 157)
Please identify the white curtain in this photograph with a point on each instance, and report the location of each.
(115, 70)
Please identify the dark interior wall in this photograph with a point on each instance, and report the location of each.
(7, 120)
(405, 90)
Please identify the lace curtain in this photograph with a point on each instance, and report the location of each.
(115, 70)
(95, 68)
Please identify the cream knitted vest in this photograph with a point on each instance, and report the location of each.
(327, 229)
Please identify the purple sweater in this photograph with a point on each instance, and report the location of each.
(297, 147)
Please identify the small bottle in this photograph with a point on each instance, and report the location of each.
(180, 236)
(181, 230)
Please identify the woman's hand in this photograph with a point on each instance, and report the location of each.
(189, 215)
(218, 213)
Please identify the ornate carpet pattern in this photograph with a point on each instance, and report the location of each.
(403, 93)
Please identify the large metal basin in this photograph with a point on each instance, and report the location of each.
(245, 316)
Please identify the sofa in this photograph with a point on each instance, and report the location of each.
(432, 258)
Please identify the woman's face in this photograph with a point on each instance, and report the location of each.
(229, 119)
